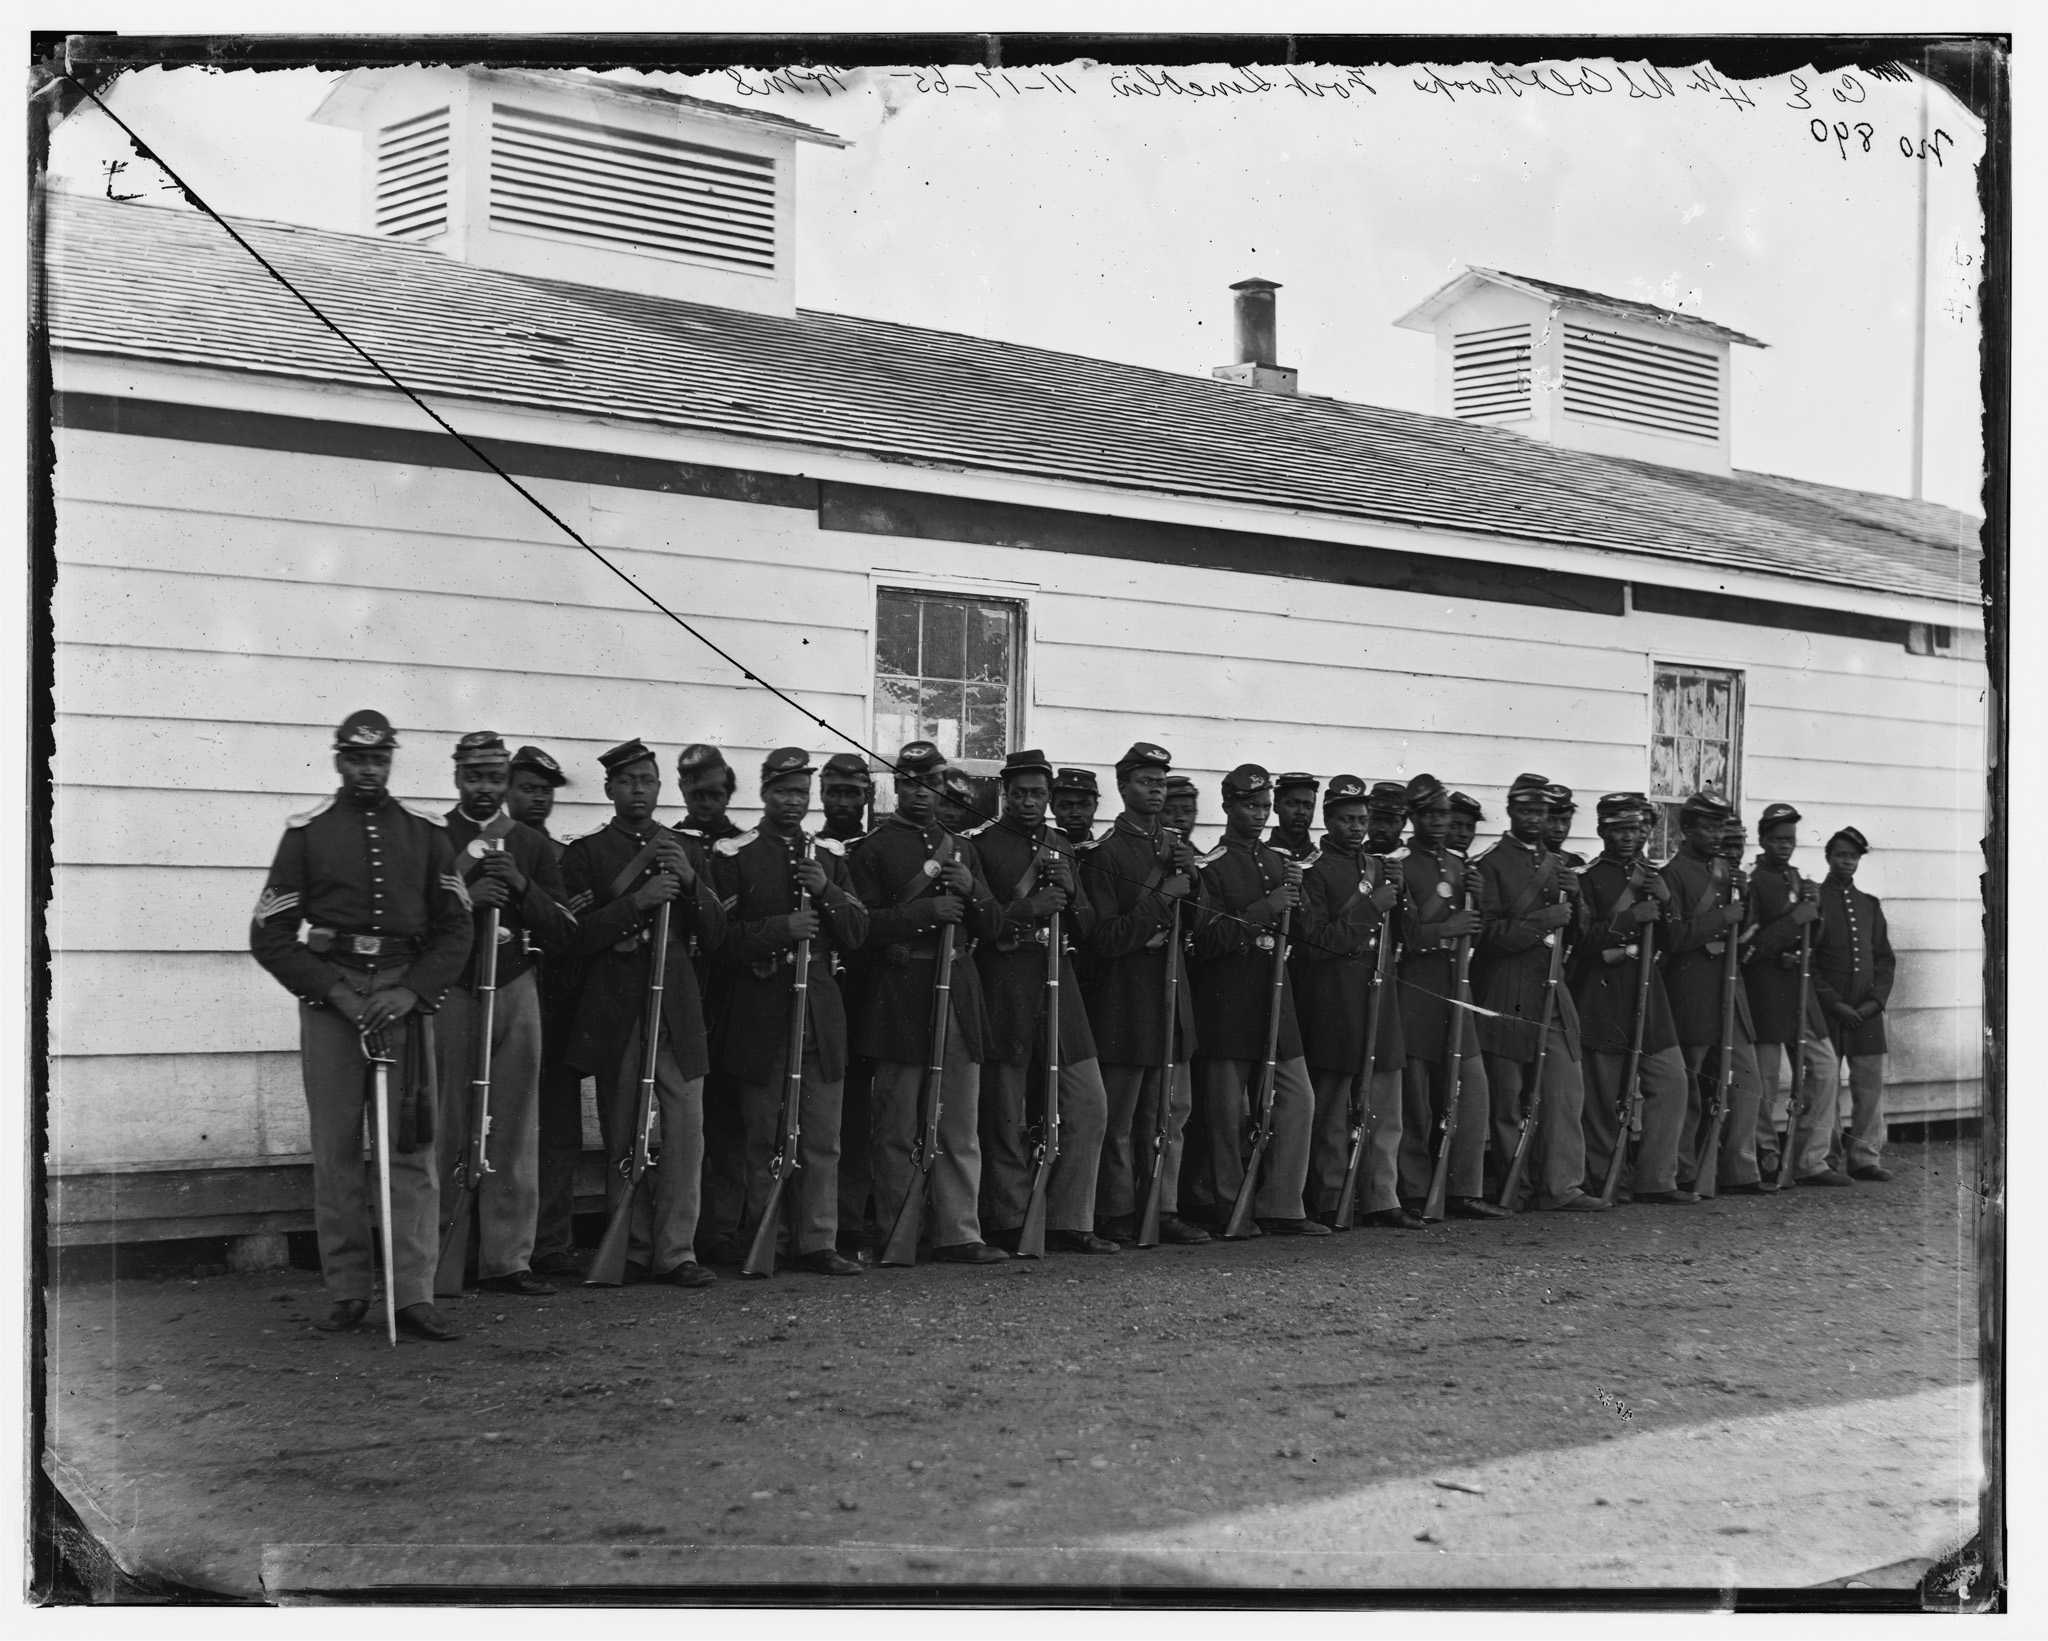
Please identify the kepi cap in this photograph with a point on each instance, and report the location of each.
(698, 758)
(531, 757)
(1424, 790)
(626, 752)
(1076, 780)
(1343, 789)
(1389, 795)
(955, 782)
(1292, 779)
(1704, 806)
(1463, 803)
(365, 731)
(1031, 762)
(919, 758)
(481, 748)
(785, 761)
(1245, 781)
(1617, 804)
(1144, 755)
(1560, 797)
(1530, 785)
(849, 766)
(1853, 838)
(1777, 814)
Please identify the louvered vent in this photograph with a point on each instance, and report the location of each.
(1626, 379)
(575, 180)
(1490, 373)
(412, 177)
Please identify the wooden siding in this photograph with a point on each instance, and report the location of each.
(217, 611)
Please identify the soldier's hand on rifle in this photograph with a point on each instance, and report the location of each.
(1732, 915)
(674, 859)
(1182, 857)
(662, 886)
(803, 925)
(1475, 882)
(955, 876)
(1788, 960)
(1645, 911)
(948, 908)
(500, 866)
(1178, 887)
(810, 876)
(485, 890)
(382, 1007)
(1384, 894)
(1461, 925)
(1050, 898)
(1553, 917)
(1804, 912)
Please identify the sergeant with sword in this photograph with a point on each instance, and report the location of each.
(619, 878)
(488, 1135)
(1445, 1117)
(1030, 866)
(787, 896)
(1529, 1032)
(1635, 1077)
(922, 1018)
(1250, 1065)
(1351, 1018)
(387, 930)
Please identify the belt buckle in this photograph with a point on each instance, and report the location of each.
(366, 945)
(1266, 942)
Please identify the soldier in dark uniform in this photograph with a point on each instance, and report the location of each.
(617, 877)
(1386, 812)
(706, 784)
(1624, 897)
(508, 867)
(1528, 901)
(845, 790)
(1249, 886)
(1466, 815)
(1557, 825)
(1183, 805)
(1294, 815)
(780, 887)
(1133, 878)
(389, 931)
(1853, 972)
(1348, 901)
(1699, 921)
(957, 810)
(1782, 903)
(530, 800)
(915, 877)
(1074, 801)
(1031, 869)
(1436, 882)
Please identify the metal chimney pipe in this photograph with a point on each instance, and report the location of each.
(1257, 322)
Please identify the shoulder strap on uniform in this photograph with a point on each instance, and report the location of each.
(830, 846)
(422, 814)
(1475, 858)
(318, 809)
(1399, 857)
(1211, 857)
(976, 831)
(738, 841)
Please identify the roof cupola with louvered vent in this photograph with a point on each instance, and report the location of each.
(1580, 369)
(572, 176)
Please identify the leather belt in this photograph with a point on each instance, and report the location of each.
(367, 951)
(927, 945)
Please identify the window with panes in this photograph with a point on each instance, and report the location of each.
(949, 669)
(1695, 743)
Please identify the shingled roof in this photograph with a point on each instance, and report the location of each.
(166, 284)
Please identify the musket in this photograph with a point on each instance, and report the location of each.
(1148, 1217)
(1704, 1181)
(1461, 998)
(1031, 1239)
(475, 1161)
(608, 1264)
(1262, 1127)
(1795, 1105)
(760, 1260)
(1525, 1140)
(378, 1053)
(1347, 1196)
(1628, 1111)
(901, 1248)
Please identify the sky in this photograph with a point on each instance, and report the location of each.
(1110, 219)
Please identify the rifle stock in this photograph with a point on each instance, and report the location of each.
(1525, 1139)
(1461, 995)
(608, 1264)
(1031, 1239)
(1262, 1135)
(908, 1227)
(760, 1260)
(1346, 1211)
(1630, 1105)
(476, 1160)
(1149, 1215)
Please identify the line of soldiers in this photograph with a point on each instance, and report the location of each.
(1283, 1035)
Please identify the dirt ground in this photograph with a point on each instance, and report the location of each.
(962, 1427)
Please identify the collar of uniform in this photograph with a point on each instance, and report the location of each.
(1526, 848)
(618, 824)
(723, 827)
(1249, 845)
(347, 799)
(1334, 845)
(1132, 829)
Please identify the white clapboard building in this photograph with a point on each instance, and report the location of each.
(911, 531)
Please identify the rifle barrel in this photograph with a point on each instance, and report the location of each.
(1155, 1187)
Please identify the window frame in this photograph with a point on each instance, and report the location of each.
(1664, 839)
